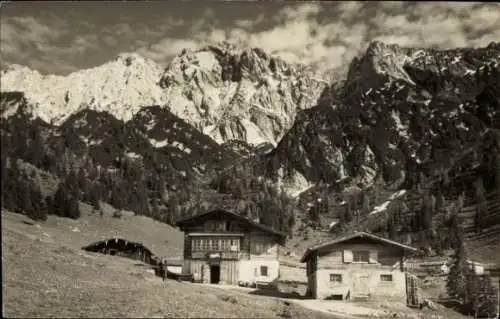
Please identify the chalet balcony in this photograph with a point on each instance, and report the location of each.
(215, 255)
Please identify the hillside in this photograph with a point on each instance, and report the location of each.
(62, 280)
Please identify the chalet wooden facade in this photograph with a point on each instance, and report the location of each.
(223, 247)
(358, 266)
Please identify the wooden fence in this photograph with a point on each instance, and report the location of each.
(412, 291)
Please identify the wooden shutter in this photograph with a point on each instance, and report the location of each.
(372, 259)
(347, 254)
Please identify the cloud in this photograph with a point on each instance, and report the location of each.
(109, 40)
(17, 31)
(120, 30)
(79, 45)
(20, 35)
(322, 34)
(249, 23)
(166, 48)
(439, 25)
(291, 38)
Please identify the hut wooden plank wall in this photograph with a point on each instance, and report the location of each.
(222, 247)
(360, 265)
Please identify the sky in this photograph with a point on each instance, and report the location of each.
(62, 37)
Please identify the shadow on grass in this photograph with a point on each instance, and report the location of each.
(453, 305)
(277, 294)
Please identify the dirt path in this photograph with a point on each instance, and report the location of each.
(345, 310)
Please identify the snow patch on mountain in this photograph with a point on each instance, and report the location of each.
(294, 184)
(223, 91)
(120, 87)
(230, 93)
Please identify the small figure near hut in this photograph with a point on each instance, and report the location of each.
(163, 270)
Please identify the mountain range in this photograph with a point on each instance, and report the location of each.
(235, 126)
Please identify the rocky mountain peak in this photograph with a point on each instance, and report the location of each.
(234, 93)
(225, 91)
(120, 87)
(129, 58)
(401, 112)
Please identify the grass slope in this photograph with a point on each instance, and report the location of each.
(46, 274)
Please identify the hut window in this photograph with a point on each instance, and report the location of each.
(361, 256)
(335, 278)
(385, 277)
(264, 271)
(229, 226)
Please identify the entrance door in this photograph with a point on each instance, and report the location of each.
(214, 274)
(361, 286)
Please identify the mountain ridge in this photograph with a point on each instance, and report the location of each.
(400, 120)
(225, 92)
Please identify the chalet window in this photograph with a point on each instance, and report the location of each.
(361, 256)
(225, 244)
(385, 277)
(210, 225)
(260, 246)
(196, 244)
(263, 271)
(221, 226)
(335, 277)
(205, 244)
(235, 245)
(214, 244)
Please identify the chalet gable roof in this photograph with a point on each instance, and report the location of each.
(372, 237)
(183, 222)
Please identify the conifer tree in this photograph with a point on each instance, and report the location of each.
(391, 227)
(348, 209)
(495, 167)
(483, 297)
(427, 213)
(35, 149)
(37, 203)
(457, 281)
(73, 208)
(71, 185)
(5, 185)
(481, 205)
(365, 203)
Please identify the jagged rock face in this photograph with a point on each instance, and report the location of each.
(401, 112)
(222, 91)
(120, 87)
(154, 135)
(176, 138)
(238, 94)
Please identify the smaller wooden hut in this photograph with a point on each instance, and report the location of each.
(122, 247)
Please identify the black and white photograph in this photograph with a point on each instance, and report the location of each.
(250, 159)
